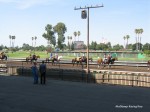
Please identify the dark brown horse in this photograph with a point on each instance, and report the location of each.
(32, 58)
(76, 60)
(109, 61)
(81, 60)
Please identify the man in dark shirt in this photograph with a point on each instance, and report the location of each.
(42, 69)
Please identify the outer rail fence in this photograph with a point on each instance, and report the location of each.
(141, 79)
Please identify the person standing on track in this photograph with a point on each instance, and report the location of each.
(42, 69)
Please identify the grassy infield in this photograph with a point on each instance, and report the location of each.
(24, 54)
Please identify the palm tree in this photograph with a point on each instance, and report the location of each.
(10, 40)
(70, 37)
(124, 41)
(13, 40)
(79, 33)
(140, 32)
(127, 37)
(75, 34)
(68, 42)
(35, 40)
(32, 41)
(137, 37)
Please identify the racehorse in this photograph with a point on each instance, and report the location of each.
(75, 60)
(32, 58)
(3, 56)
(148, 64)
(56, 60)
(106, 62)
(80, 60)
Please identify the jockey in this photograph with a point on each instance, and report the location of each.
(34, 57)
(51, 55)
(56, 56)
(109, 56)
(105, 58)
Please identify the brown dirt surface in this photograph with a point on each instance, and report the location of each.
(70, 66)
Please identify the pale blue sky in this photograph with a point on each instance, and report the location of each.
(27, 18)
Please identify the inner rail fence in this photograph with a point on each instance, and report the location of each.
(66, 61)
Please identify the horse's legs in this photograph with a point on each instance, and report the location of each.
(52, 62)
(103, 64)
(99, 64)
(77, 63)
(73, 62)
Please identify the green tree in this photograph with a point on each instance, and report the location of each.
(72, 46)
(60, 29)
(93, 45)
(109, 45)
(129, 46)
(49, 35)
(117, 47)
(26, 47)
(134, 47)
(146, 46)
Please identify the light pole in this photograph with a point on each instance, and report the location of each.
(87, 7)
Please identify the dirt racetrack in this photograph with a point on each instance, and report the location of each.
(70, 66)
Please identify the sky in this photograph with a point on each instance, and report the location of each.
(27, 18)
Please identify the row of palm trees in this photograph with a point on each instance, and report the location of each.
(34, 38)
(77, 34)
(138, 33)
(12, 41)
(126, 42)
(70, 38)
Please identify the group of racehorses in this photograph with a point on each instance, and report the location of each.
(79, 60)
(32, 58)
(54, 59)
(83, 59)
